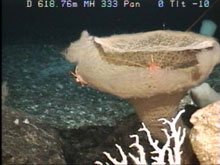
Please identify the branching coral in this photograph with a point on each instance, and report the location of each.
(174, 153)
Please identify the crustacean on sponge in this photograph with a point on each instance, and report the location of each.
(78, 78)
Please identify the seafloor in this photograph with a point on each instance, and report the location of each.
(40, 84)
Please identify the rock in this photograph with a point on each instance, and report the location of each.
(205, 135)
(27, 141)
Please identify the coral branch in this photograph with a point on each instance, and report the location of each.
(140, 150)
(113, 160)
(154, 143)
(174, 153)
(178, 138)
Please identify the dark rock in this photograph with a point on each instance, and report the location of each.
(25, 141)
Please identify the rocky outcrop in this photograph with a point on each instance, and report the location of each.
(205, 135)
(26, 141)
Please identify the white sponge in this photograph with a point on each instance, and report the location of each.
(208, 28)
(204, 95)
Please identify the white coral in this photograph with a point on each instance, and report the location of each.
(174, 153)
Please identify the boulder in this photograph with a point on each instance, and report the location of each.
(205, 134)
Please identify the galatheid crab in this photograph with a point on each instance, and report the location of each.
(78, 78)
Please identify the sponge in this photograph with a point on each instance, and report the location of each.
(208, 28)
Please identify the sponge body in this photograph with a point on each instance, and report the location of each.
(120, 64)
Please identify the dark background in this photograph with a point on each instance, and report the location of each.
(62, 25)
